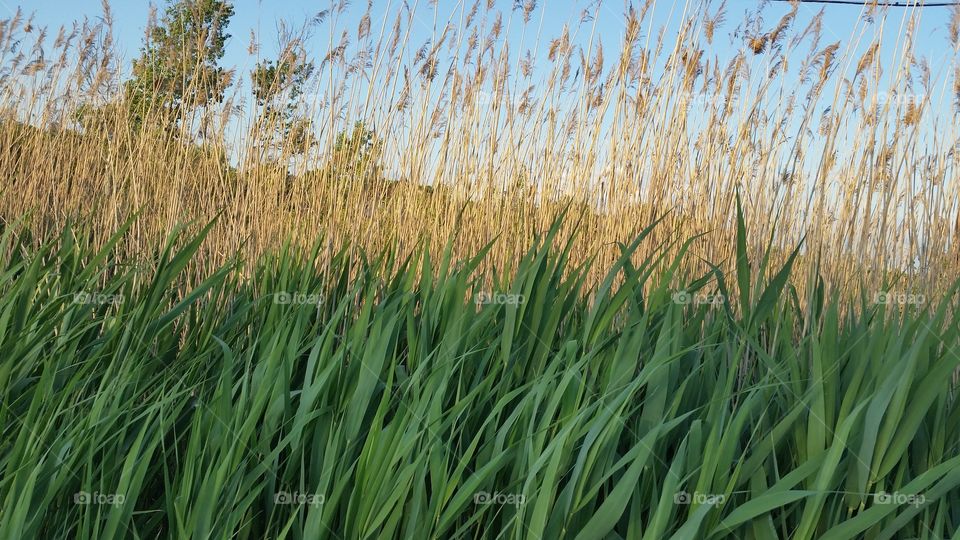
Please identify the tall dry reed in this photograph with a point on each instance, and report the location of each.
(490, 128)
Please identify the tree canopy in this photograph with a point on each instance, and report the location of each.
(178, 70)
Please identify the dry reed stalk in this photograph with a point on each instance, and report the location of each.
(483, 137)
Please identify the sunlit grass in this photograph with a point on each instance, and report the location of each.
(415, 402)
(491, 125)
(496, 284)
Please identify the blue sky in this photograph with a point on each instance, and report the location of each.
(262, 16)
(841, 24)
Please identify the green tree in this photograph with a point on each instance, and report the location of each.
(178, 70)
(278, 85)
(357, 153)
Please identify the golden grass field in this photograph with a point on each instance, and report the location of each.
(849, 145)
(449, 274)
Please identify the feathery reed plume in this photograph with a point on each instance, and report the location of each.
(953, 27)
(711, 23)
(867, 59)
(758, 43)
(401, 134)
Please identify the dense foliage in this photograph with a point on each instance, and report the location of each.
(178, 66)
(349, 401)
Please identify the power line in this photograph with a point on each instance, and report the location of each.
(865, 3)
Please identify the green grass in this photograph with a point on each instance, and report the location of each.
(391, 405)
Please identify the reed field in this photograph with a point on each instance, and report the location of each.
(362, 402)
(849, 143)
(449, 270)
